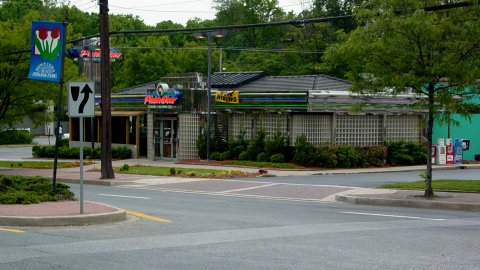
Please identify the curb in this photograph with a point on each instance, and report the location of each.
(95, 182)
(475, 207)
(73, 220)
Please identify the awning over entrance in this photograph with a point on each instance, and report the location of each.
(122, 113)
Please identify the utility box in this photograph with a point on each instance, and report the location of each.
(458, 151)
(450, 154)
(441, 155)
(448, 141)
(441, 142)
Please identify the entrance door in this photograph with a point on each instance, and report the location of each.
(165, 138)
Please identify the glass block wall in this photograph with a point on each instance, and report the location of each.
(239, 122)
(271, 122)
(317, 128)
(359, 130)
(188, 131)
(403, 127)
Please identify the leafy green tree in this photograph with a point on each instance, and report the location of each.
(237, 12)
(19, 97)
(15, 10)
(400, 47)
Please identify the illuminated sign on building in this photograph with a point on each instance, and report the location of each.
(96, 54)
(162, 95)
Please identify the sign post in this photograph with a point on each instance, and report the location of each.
(81, 103)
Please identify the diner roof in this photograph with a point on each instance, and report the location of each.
(234, 79)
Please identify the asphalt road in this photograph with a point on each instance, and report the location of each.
(371, 179)
(207, 231)
(20, 152)
(216, 232)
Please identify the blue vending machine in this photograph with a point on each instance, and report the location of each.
(458, 151)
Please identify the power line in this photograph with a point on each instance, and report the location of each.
(167, 4)
(270, 50)
(297, 23)
(163, 11)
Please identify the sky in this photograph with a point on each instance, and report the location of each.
(178, 11)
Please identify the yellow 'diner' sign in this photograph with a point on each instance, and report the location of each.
(227, 96)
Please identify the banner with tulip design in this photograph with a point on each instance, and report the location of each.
(46, 51)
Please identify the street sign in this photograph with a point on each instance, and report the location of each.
(81, 99)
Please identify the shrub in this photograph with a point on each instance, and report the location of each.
(262, 157)
(236, 149)
(244, 156)
(347, 156)
(218, 144)
(124, 168)
(375, 155)
(257, 145)
(63, 142)
(304, 152)
(49, 151)
(96, 152)
(326, 156)
(277, 158)
(36, 151)
(225, 155)
(15, 137)
(25, 190)
(202, 145)
(172, 171)
(215, 155)
(120, 152)
(406, 153)
(277, 145)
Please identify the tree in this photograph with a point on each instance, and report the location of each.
(401, 47)
(236, 12)
(19, 97)
(15, 10)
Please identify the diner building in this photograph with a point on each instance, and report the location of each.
(163, 119)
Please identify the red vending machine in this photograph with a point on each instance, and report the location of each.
(450, 156)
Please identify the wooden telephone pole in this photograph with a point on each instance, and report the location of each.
(106, 156)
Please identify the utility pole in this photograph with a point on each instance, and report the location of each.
(106, 156)
(220, 68)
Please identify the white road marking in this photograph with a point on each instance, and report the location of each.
(384, 215)
(123, 196)
(249, 188)
(290, 184)
(293, 199)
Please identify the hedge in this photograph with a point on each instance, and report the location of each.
(119, 152)
(15, 137)
(26, 190)
(406, 153)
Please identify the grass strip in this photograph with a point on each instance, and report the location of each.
(440, 185)
(167, 171)
(38, 164)
(260, 164)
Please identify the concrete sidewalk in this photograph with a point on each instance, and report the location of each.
(457, 201)
(67, 213)
(64, 213)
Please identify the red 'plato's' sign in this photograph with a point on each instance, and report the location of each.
(159, 100)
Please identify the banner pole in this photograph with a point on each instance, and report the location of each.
(59, 107)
